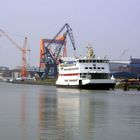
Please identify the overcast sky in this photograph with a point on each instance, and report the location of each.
(111, 26)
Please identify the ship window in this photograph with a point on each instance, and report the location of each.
(83, 61)
(86, 68)
(98, 68)
(94, 67)
(73, 80)
(80, 61)
(102, 68)
(100, 76)
(89, 61)
(106, 61)
(90, 67)
(83, 75)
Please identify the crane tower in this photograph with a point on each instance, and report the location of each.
(23, 50)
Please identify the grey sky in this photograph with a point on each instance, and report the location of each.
(111, 26)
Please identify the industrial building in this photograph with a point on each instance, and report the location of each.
(6, 73)
(2, 71)
(126, 69)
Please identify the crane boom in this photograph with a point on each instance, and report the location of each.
(58, 49)
(10, 39)
(23, 51)
(69, 31)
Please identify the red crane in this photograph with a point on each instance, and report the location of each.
(23, 50)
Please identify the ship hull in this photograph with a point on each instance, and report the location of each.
(101, 86)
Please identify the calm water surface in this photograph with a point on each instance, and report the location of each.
(33, 112)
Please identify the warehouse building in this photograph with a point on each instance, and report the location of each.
(126, 69)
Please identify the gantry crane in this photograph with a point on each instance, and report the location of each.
(23, 50)
(50, 56)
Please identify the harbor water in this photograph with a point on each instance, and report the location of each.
(38, 112)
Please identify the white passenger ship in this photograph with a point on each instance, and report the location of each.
(86, 73)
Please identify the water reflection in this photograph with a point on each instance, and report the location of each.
(66, 117)
(86, 115)
(57, 117)
(24, 116)
(48, 113)
(26, 112)
(47, 116)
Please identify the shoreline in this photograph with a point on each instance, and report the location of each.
(125, 87)
(38, 82)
